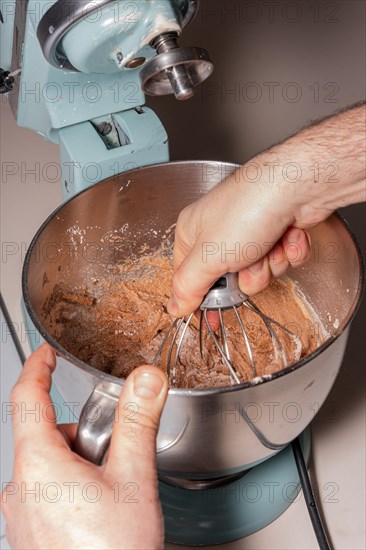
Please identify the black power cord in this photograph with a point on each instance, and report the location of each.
(12, 330)
(309, 496)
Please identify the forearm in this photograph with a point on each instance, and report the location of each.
(318, 170)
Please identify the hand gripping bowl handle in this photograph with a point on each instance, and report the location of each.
(96, 422)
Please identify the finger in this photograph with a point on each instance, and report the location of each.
(212, 317)
(278, 262)
(68, 431)
(255, 278)
(9, 494)
(34, 416)
(296, 246)
(192, 280)
(213, 320)
(186, 233)
(181, 251)
(133, 443)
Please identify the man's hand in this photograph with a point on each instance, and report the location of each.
(234, 228)
(258, 229)
(57, 499)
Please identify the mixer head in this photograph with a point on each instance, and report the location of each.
(225, 295)
(117, 35)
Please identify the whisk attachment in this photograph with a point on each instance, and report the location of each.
(224, 295)
(178, 326)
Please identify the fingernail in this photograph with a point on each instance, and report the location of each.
(257, 267)
(148, 385)
(294, 235)
(308, 237)
(173, 306)
(293, 252)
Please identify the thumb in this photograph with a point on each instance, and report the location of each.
(137, 417)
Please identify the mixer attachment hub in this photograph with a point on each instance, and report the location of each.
(224, 294)
(175, 70)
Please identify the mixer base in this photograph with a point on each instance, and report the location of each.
(237, 509)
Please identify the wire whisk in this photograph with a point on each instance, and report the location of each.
(224, 295)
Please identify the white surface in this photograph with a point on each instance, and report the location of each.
(338, 431)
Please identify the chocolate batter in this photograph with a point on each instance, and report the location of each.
(119, 323)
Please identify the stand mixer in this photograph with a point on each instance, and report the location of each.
(76, 73)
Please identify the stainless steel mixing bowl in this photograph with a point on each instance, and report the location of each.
(203, 433)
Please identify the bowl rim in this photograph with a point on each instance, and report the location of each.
(255, 382)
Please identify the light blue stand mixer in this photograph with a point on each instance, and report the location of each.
(75, 71)
(84, 67)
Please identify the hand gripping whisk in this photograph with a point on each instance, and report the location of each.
(224, 295)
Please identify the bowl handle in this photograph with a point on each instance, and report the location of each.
(96, 422)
